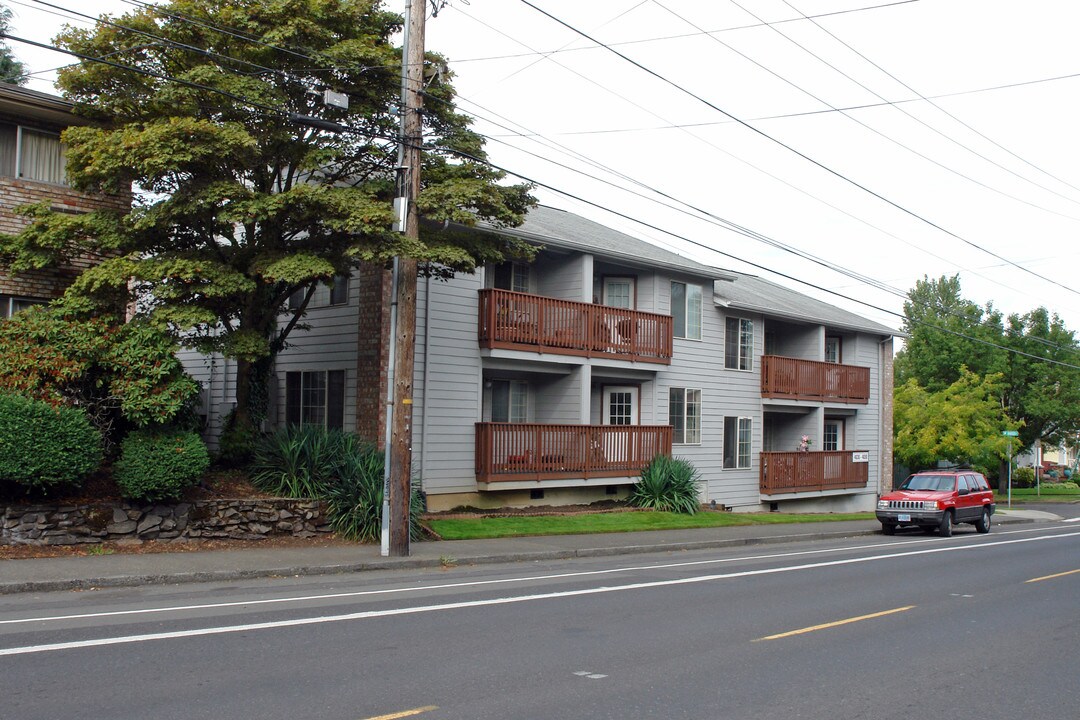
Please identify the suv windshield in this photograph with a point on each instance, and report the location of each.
(932, 483)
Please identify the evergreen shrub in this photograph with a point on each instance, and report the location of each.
(42, 447)
(156, 466)
(1023, 477)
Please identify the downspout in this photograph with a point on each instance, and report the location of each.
(427, 376)
(886, 403)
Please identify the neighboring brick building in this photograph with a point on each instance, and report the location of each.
(31, 171)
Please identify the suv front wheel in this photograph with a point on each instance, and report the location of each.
(945, 527)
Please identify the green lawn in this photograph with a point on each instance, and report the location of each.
(1047, 493)
(579, 524)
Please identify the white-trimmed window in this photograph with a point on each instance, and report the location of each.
(326, 295)
(315, 398)
(739, 344)
(10, 305)
(684, 415)
(833, 435)
(686, 310)
(833, 352)
(737, 442)
(32, 154)
(513, 276)
(509, 401)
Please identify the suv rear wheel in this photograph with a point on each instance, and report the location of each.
(983, 525)
(945, 528)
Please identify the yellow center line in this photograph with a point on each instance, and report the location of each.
(405, 713)
(1051, 577)
(836, 623)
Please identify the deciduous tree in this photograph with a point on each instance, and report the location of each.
(946, 332)
(960, 423)
(247, 200)
(11, 69)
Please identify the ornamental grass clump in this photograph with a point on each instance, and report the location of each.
(313, 462)
(668, 484)
(356, 495)
(298, 461)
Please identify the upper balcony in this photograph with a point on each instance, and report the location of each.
(520, 321)
(793, 379)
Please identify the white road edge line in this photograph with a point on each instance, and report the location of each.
(33, 649)
(476, 583)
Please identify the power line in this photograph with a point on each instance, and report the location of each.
(900, 109)
(869, 127)
(733, 227)
(571, 153)
(721, 221)
(682, 36)
(801, 154)
(270, 110)
(826, 111)
(928, 99)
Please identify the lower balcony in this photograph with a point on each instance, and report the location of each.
(804, 472)
(530, 451)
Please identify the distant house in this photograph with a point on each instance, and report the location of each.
(32, 170)
(557, 381)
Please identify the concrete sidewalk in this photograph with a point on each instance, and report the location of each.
(119, 570)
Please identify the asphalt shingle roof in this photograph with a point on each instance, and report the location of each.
(754, 294)
(564, 230)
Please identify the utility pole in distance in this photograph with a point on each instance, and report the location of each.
(404, 339)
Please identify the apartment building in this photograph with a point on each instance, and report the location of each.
(32, 170)
(556, 381)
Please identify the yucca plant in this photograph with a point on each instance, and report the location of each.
(669, 484)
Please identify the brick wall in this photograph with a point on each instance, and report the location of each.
(46, 284)
(373, 352)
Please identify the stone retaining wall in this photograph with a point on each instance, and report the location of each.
(125, 522)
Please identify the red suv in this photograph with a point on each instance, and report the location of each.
(938, 499)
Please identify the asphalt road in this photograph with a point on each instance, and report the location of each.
(973, 626)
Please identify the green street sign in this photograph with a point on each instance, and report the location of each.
(1010, 433)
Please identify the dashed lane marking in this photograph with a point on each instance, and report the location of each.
(837, 623)
(1051, 577)
(405, 713)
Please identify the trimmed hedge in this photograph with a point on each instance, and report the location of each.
(155, 466)
(42, 447)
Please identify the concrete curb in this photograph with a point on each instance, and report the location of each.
(416, 563)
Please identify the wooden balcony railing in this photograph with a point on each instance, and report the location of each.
(784, 377)
(797, 472)
(531, 451)
(519, 321)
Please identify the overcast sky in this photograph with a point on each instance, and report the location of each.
(957, 155)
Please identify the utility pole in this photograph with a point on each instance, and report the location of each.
(405, 269)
